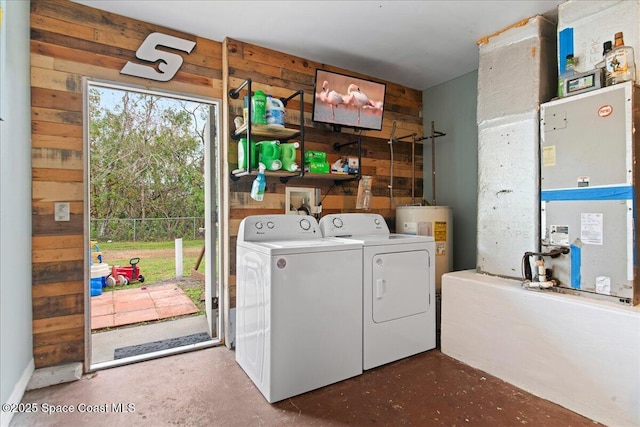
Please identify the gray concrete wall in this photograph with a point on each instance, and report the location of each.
(16, 340)
(452, 106)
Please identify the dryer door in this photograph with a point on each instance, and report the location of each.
(400, 285)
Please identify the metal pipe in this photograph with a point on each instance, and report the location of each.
(234, 93)
(391, 139)
(337, 146)
(433, 162)
(289, 98)
(249, 122)
(413, 161)
(413, 169)
(437, 134)
(301, 93)
(403, 137)
(359, 146)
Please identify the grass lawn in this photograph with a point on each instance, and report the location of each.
(157, 263)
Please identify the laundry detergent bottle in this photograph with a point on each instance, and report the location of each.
(259, 184)
(270, 154)
(275, 112)
(259, 108)
(288, 156)
(247, 150)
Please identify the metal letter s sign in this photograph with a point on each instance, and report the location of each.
(169, 64)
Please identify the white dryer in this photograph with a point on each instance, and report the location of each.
(399, 317)
(298, 305)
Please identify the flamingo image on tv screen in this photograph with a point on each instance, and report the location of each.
(342, 100)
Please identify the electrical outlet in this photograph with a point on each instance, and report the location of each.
(62, 211)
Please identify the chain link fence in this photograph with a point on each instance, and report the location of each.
(147, 229)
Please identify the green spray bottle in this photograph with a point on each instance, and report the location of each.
(259, 184)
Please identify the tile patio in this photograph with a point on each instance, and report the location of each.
(143, 304)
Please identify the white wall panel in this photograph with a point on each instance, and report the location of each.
(508, 193)
(590, 365)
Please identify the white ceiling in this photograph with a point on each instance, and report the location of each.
(418, 44)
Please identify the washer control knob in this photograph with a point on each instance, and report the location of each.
(376, 221)
(270, 225)
(337, 222)
(305, 224)
(259, 225)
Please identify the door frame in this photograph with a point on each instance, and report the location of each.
(212, 258)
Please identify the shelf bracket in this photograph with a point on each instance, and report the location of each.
(337, 146)
(400, 138)
(290, 97)
(342, 181)
(235, 93)
(434, 134)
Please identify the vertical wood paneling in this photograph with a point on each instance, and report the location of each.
(69, 42)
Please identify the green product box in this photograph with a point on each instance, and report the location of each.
(314, 156)
(318, 167)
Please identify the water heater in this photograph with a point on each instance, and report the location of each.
(436, 221)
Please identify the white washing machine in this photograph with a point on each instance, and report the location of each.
(399, 304)
(298, 305)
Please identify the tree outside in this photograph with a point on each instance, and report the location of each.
(146, 163)
(146, 179)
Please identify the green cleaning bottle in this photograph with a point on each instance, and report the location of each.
(259, 184)
(259, 111)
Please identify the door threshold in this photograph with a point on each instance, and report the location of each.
(214, 342)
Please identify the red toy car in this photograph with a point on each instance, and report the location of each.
(125, 275)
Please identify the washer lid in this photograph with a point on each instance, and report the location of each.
(262, 228)
(289, 247)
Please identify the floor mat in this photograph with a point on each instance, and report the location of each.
(150, 347)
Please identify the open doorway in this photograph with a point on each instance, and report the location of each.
(152, 199)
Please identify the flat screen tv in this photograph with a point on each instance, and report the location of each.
(342, 100)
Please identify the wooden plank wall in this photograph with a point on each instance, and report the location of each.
(71, 41)
(68, 42)
(280, 75)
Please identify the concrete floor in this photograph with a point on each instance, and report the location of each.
(208, 388)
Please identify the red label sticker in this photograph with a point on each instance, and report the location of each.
(605, 111)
